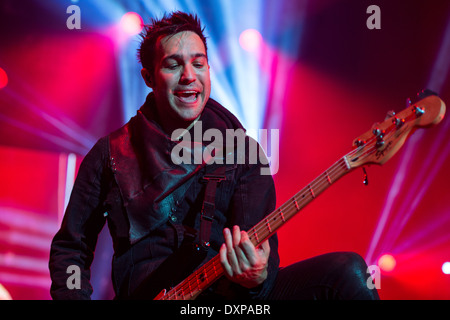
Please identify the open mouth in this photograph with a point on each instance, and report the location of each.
(187, 96)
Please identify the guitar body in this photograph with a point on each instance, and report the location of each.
(376, 146)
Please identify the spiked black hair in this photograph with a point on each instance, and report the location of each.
(168, 25)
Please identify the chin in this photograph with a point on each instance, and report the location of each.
(190, 116)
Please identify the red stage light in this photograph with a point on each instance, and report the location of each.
(3, 78)
(250, 40)
(387, 262)
(131, 23)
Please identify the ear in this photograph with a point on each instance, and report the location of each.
(146, 75)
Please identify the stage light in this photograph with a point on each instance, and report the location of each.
(446, 268)
(250, 40)
(3, 78)
(387, 262)
(4, 294)
(131, 23)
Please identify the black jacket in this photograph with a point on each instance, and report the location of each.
(153, 207)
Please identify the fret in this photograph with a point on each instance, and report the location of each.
(202, 275)
(268, 226)
(296, 204)
(328, 177)
(311, 191)
(256, 236)
(182, 294)
(282, 215)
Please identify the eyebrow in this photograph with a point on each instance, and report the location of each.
(177, 56)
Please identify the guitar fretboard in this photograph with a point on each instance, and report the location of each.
(272, 222)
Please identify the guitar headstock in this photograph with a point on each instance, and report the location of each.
(379, 144)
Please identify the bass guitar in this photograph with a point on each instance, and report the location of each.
(376, 146)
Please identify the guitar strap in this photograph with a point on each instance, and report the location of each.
(190, 253)
(208, 206)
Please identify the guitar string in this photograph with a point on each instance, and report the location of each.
(262, 230)
(193, 279)
(215, 265)
(186, 285)
(289, 208)
(319, 184)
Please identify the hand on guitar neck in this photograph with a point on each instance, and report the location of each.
(242, 262)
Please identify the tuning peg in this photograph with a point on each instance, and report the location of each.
(359, 143)
(408, 102)
(398, 122)
(377, 132)
(419, 111)
(426, 93)
(390, 114)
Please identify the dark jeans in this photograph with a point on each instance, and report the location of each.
(338, 275)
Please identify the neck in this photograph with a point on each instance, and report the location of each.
(166, 121)
(169, 125)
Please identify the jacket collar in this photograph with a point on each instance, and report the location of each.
(149, 180)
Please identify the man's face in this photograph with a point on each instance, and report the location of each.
(181, 80)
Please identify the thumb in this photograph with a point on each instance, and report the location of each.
(265, 248)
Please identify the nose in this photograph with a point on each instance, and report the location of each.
(188, 74)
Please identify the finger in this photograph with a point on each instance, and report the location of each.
(265, 247)
(230, 251)
(256, 256)
(241, 263)
(264, 251)
(224, 260)
(236, 236)
(228, 238)
(241, 260)
(237, 239)
(248, 249)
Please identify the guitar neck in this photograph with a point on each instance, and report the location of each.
(212, 270)
(275, 220)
